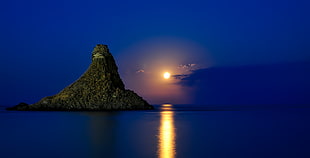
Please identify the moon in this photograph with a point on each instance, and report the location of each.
(166, 75)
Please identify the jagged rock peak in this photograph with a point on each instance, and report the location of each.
(103, 67)
(100, 51)
(99, 88)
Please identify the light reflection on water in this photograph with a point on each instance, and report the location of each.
(166, 139)
(244, 133)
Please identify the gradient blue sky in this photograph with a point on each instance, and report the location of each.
(46, 45)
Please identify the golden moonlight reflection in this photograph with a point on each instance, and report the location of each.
(166, 139)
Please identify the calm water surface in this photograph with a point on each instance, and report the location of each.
(167, 132)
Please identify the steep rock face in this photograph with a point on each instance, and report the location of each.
(99, 88)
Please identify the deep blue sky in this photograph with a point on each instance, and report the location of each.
(45, 45)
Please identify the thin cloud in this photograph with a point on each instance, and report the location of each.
(180, 77)
(187, 67)
(140, 71)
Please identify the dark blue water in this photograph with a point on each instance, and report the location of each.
(169, 131)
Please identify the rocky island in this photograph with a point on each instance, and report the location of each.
(99, 88)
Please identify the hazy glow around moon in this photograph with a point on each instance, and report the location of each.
(143, 66)
(167, 75)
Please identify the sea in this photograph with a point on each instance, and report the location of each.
(169, 131)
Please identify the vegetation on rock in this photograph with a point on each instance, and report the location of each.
(99, 88)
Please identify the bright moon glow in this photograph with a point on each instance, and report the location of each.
(166, 75)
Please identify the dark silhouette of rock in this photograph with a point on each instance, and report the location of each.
(99, 88)
(19, 106)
